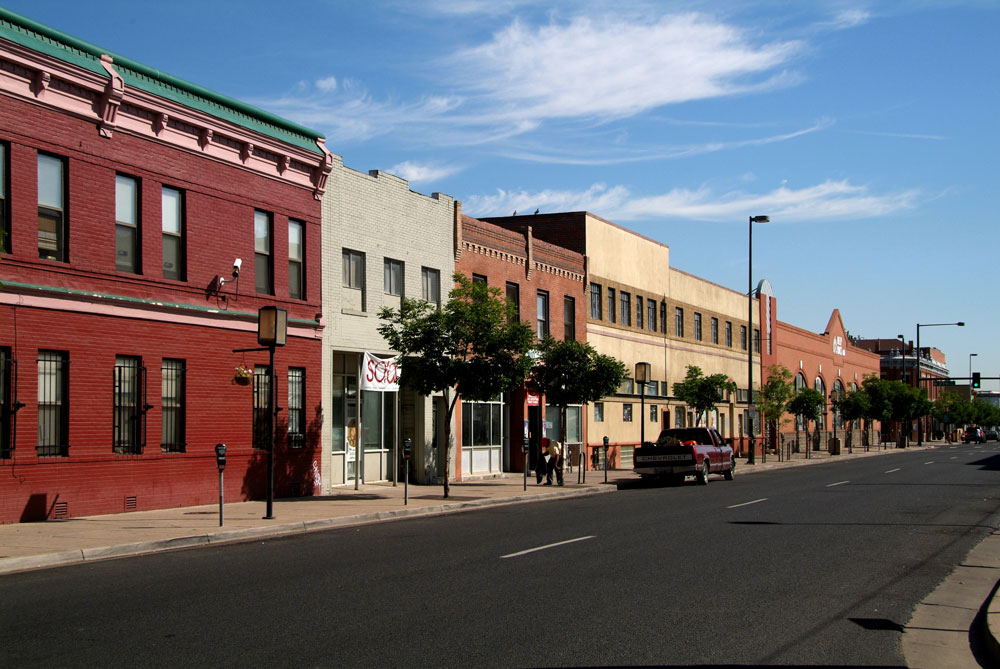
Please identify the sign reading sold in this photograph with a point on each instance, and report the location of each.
(380, 374)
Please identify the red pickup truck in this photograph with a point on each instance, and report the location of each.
(681, 451)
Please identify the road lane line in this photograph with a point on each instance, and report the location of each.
(541, 548)
(762, 499)
(891, 471)
(830, 485)
(954, 457)
(929, 462)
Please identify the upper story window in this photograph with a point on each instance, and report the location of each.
(697, 326)
(729, 334)
(262, 245)
(430, 285)
(569, 318)
(638, 311)
(625, 300)
(612, 306)
(173, 233)
(393, 271)
(52, 241)
(651, 315)
(514, 298)
(296, 260)
(663, 317)
(678, 322)
(596, 301)
(715, 330)
(353, 279)
(756, 340)
(542, 314)
(126, 224)
(479, 278)
(743, 337)
(5, 244)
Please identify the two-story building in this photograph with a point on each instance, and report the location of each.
(146, 219)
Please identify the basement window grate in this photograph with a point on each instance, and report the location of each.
(130, 504)
(60, 510)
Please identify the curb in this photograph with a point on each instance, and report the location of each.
(77, 556)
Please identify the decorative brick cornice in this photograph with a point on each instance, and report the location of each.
(104, 98)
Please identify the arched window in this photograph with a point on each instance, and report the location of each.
(838, 391)
(821, 387)
(800, 383)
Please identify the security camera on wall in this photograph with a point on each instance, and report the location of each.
(236, 267)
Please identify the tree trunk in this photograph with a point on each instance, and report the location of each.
(447, 439)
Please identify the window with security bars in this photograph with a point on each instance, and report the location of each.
(595, 301)
(129, 432)
(296, 407)
(8, 389)
(53, 404)
(262, 407)
(172, 382)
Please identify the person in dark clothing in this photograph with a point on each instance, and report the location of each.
(541, 461)
(555, 463)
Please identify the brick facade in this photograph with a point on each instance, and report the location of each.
(101, 123)
(376, 216)
(515, 258)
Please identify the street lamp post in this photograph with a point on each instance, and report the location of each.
(272, 331)
(642, 378)
(961, 324)
(750, 408)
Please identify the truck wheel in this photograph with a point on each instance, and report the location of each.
(703, 474)
(730, 473)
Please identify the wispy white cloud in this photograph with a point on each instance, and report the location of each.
(611, 67)
(417, 172)
(528, 78)
(830, 200)
(901, 135)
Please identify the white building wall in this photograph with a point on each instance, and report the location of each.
(378, 215)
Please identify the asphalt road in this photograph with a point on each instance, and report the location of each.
(816, 565)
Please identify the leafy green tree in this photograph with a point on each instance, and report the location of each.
(701, 392)
(775, 395)
(905, 403)
(878, 400)
(472, 346)
(572, 372)
(852, 405)
(807, 404)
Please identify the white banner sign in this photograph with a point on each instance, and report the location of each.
(380, 374)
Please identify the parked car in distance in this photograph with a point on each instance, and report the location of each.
(991, 433)
(974, 435)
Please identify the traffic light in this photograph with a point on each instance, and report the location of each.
(975, 379)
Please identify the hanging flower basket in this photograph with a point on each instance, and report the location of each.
(243, 375)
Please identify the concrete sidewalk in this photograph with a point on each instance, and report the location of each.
(938, 635)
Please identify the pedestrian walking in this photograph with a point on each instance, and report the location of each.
(542, 461)
(555, 463)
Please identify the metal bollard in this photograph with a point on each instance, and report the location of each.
(605, 459)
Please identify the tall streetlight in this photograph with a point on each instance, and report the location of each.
(750, 408)
(916, 384)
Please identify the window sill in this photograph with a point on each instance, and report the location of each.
(354, 312)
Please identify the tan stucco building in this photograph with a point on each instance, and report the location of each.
(639, 309)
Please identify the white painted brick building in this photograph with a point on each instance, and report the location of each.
(380, 241)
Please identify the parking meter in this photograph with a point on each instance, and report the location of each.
(606, 442)
(524, 452)
(220, 462)
(407, 454)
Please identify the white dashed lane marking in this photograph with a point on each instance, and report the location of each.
(762, 499)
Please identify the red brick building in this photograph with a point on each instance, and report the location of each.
(126, 198)
(546, 282)
(827, 361)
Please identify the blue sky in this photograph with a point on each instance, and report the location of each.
(867, 131)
